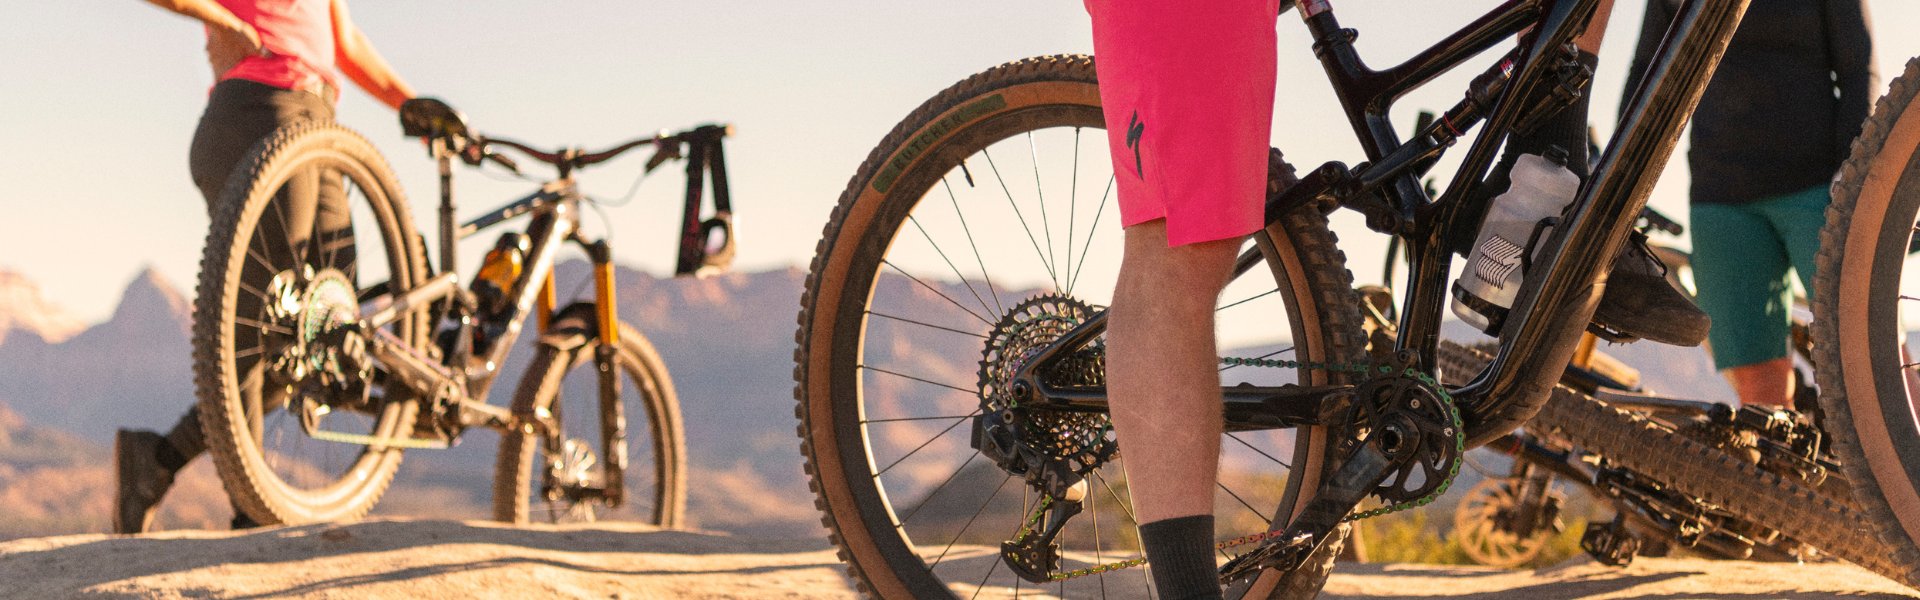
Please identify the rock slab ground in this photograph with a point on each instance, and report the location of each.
(442, 559)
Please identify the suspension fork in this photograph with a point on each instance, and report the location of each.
(613, 418)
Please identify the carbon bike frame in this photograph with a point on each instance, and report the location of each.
(1556, 301)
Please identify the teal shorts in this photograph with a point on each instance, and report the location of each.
(1741, 256)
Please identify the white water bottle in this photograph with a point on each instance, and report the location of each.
(1541, 187)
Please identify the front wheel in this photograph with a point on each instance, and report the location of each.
(311, 216)
(1863, 304)
(549, 471)
(961, 245)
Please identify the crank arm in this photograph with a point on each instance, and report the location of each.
(1331, 504)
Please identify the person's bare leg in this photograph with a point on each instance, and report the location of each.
(1767, 383)
(1162, 373)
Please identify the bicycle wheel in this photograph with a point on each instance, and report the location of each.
(312, 212)
(1481, 521)
(1863, 313)
(563, 484)
(966, 216)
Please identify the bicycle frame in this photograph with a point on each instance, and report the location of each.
(458, 385)
(1557, 300)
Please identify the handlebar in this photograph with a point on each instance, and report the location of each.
(666, 147)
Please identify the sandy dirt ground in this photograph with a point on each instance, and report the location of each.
(437, 559)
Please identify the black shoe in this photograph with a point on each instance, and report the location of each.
(1640, 302)
(143, 480)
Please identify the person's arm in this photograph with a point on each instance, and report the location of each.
(215, 16)
(361, 63)
(1850, 48)
(1653, 29)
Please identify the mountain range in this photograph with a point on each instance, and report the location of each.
(727, 340)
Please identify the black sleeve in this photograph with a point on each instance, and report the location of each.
(1850, 50)
(1653, 29)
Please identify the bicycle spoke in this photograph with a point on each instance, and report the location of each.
(262, 325)
(1095, 228)
(1242, 501)
(919, 379)
(1124, 506)
(1262, 452)
(1022, 217)
(923, 324)
(1033, 155)
(956, 270)
(936, 291)
(928, 499)
(922, 446)
(903, 419)
(969, 524)
(1255, 297)
(977, 259)
(1073, 203)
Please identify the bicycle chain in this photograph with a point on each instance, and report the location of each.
(1459, 447)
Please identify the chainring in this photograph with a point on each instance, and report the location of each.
(1428, 437)
(1053, 449)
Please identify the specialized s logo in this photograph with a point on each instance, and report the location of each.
(1135, 129)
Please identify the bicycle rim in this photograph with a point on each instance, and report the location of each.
(993, 194)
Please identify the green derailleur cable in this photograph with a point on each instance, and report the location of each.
(1446, 400)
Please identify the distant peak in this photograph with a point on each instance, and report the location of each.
(152, 295)
(22, 307)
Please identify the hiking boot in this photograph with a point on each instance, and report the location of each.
(1640, 302)
(142, 479)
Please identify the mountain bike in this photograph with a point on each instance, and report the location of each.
(1505, 520)
(318, 365)
(950, 375)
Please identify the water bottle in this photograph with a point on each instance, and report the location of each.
(1541, 188)
(498, 272)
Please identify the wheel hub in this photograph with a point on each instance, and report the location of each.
(314, 313)
(1052, 449)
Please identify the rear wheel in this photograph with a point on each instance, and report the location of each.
(555, 472)
(1866, 287)
(310, 215)
(969, 217)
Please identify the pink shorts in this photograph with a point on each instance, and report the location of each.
(1187, 88)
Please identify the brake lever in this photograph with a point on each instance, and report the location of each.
(502, 160)
(663, 151)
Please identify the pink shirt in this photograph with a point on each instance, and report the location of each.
(299, 33)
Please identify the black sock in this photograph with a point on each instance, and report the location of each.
(170, 458)
(1180, 556)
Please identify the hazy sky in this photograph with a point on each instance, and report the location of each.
(98, 101)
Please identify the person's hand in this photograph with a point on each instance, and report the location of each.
(227, 46)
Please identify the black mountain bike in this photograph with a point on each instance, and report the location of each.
(950, 377)
(317, 366)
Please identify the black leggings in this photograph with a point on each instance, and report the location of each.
(310, 207)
